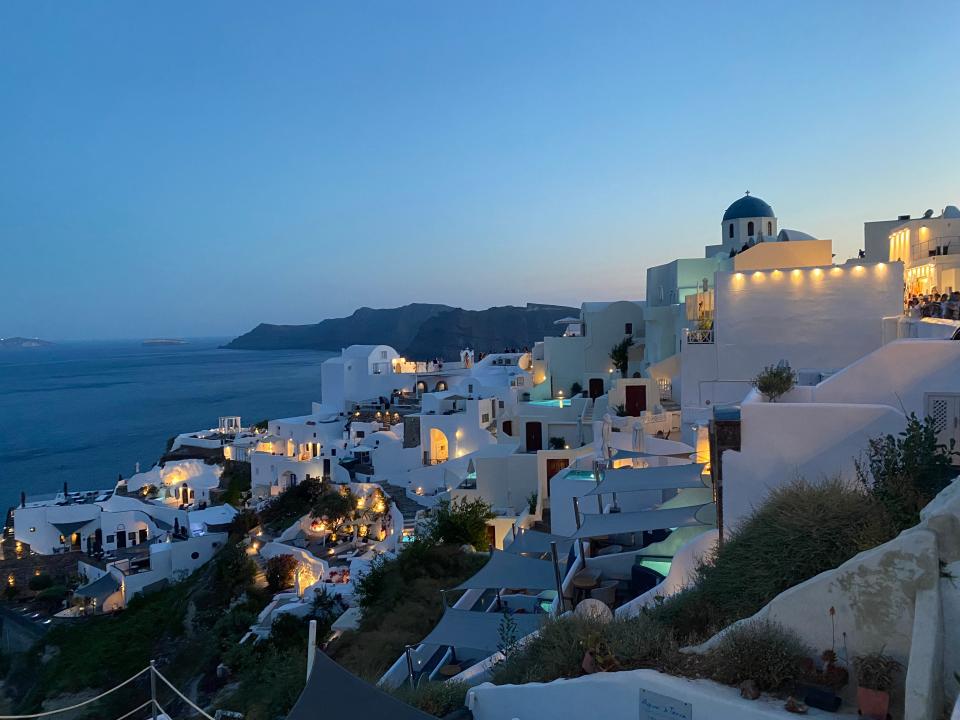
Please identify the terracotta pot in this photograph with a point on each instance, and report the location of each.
(873, 703)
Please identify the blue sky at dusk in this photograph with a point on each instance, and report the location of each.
(186, 169)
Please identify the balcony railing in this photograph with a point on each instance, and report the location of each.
(700, 337)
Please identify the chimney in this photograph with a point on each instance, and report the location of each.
(64, 489)
(23, 499)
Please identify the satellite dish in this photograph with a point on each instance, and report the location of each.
(928, 214)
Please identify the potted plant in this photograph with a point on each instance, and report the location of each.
(774, 381)
(874, 678)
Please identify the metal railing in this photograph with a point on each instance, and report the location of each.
(700, 337)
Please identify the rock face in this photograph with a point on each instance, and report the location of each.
(418, 331)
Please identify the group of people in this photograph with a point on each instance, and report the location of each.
(938, 305)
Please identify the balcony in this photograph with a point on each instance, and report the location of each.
(700, 337)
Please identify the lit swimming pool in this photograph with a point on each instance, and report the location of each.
(559, 402)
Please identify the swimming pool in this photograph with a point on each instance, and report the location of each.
(559, 402)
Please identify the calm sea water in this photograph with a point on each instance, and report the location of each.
(84, 412)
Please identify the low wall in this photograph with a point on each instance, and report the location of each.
(643, 694)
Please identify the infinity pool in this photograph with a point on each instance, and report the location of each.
(559, 402)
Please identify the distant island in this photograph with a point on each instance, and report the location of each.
(12, 343)
(418, 330)
(164, 341)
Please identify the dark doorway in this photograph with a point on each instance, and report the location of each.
(121, 538)
(555, 465)
(534, 436)
(508, 427)
(142, 535)
(596, 388)
(636, 399)
(491, 536)
(98, 540)
(326, 468)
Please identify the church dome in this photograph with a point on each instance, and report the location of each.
(748, 207)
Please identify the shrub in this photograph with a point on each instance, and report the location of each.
(401, 603)
(557, 443)
(762, 651)
(620, 355)
(40, 582)
(462, 522)
(576, 389)
(875, 671)
(558, 650)
(774, 381)
(280, 571)
(532, 503)
(905, 473)
(435, 698)
(800, 531)
(235, 479)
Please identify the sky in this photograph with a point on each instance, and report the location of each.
(193, 169)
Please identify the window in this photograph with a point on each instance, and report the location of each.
(750, 228)
(194, 555)
(110, 538)
(383, 354)
(730, 230)
(132, 536)
(500, 403)
(769, 228)
(360, 434)
(628, 329)
(485, 418)
(333, 452)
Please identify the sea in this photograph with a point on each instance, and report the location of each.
(84, 412)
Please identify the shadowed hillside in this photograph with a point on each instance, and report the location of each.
(416, 331)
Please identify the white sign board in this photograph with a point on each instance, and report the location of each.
(654, 706)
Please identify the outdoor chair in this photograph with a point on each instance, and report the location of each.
(606, 593)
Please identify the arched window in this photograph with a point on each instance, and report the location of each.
(750, 228)
(769, 228)
(730, 231)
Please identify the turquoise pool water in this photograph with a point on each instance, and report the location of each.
(559, 402)
(582, 475)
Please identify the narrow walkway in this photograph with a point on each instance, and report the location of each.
(408, 508)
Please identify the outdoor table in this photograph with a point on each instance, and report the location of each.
(584, 581)
(610, 550)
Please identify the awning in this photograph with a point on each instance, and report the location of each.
(69, 528)
(506, 570)
(534, 541)
(478, 630)
(627, 522)
(99, 590)
(332, 691)
(662, 477)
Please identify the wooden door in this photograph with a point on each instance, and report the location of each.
(595, 387)
(636, 399)
(555, 465)
(534, 436)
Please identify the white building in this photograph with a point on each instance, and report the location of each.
(581, 355)
(178, 483)
(363, 374)
(820, 429)
(785, 301)
(92, 522)
(929, 248)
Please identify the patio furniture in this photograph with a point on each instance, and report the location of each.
(606, 593)
(449, 671)
(583, 582)
(610, 550)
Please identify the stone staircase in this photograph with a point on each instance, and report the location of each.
(407, 507)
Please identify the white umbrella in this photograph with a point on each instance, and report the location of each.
(638, 439)
(606, 429)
